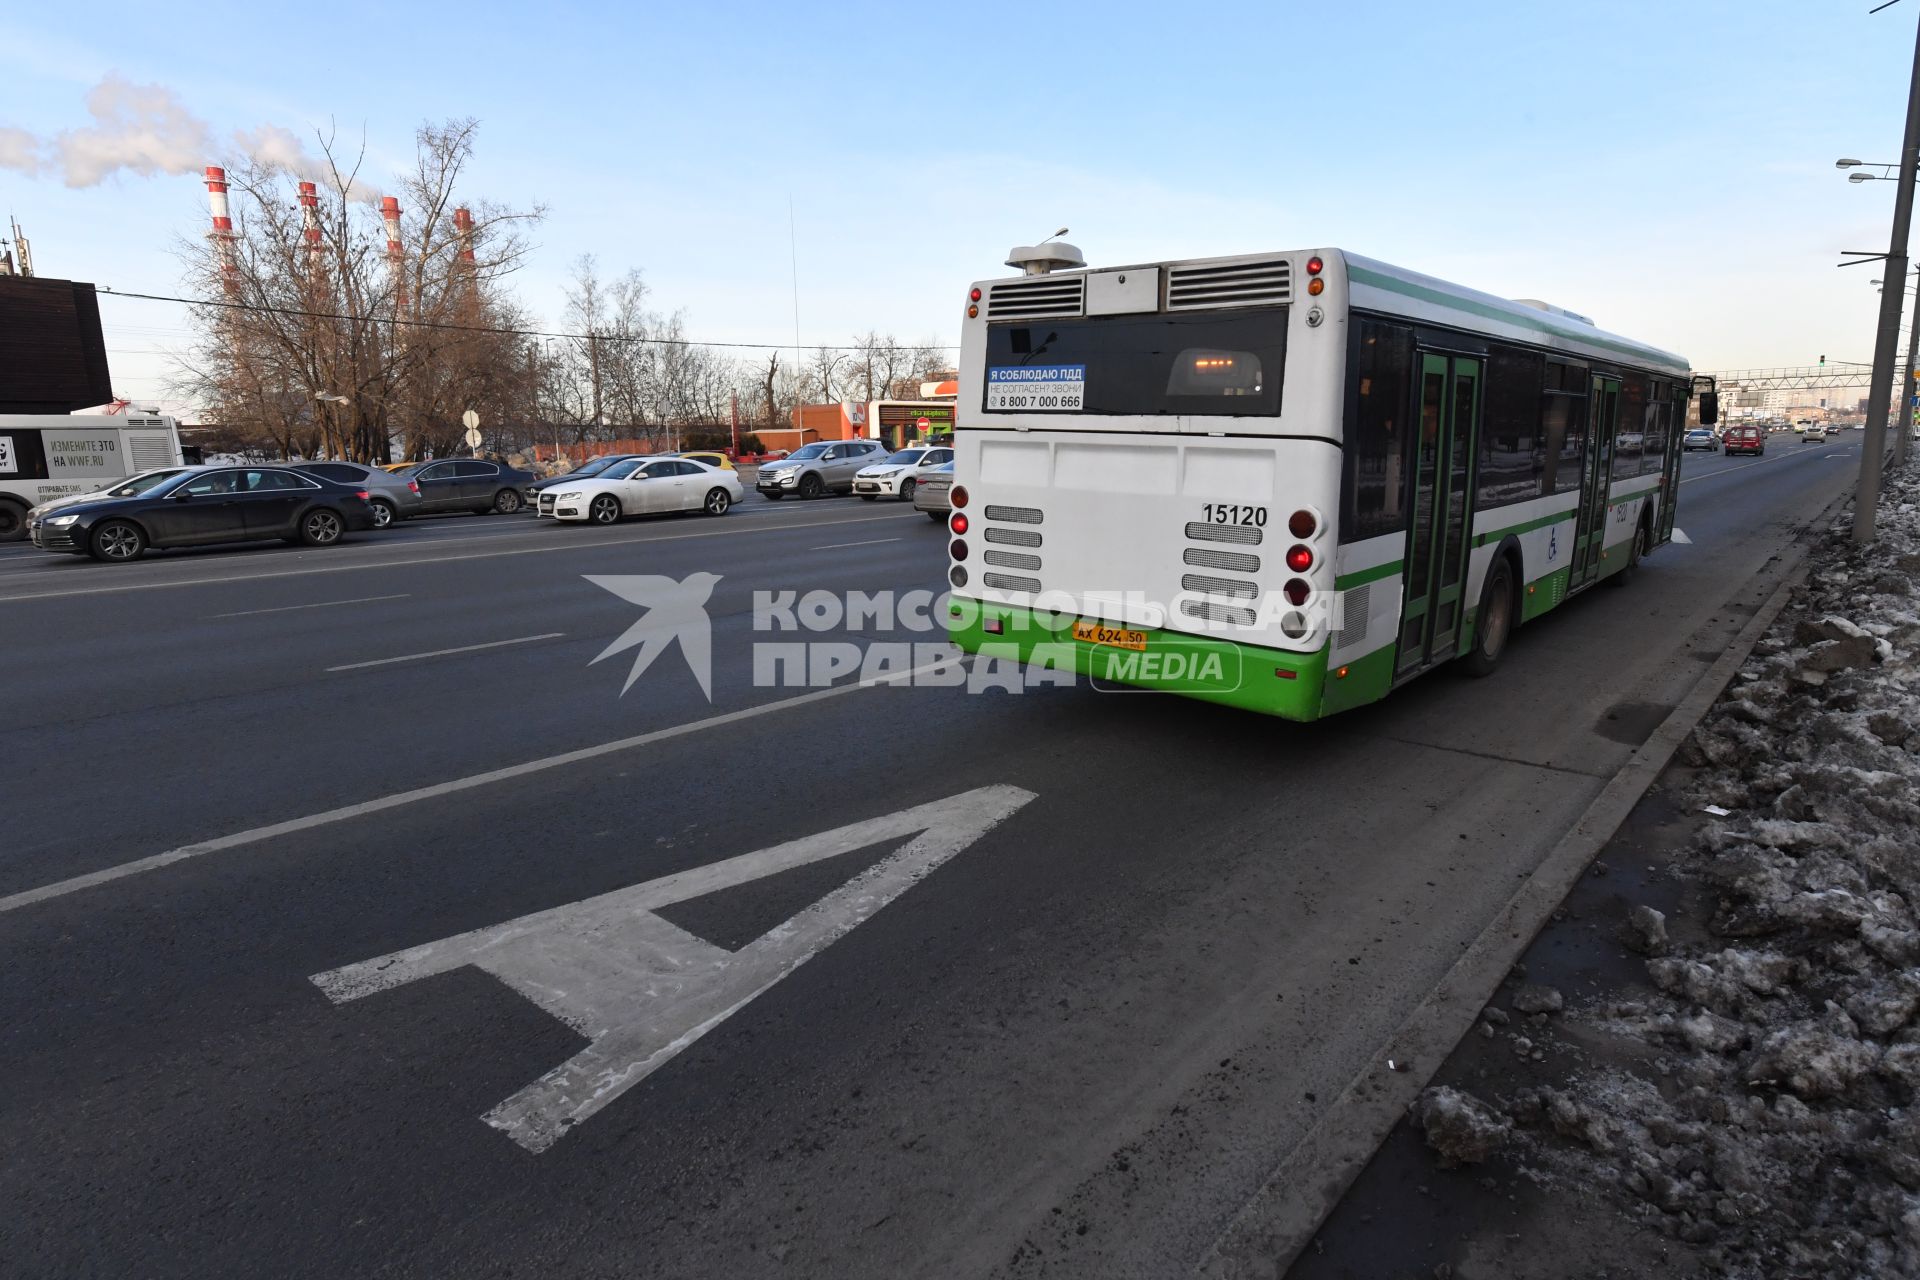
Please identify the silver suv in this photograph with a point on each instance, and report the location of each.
(825, 466)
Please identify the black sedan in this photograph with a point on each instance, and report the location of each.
(206, 506)
(471, 484)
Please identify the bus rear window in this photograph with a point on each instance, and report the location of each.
(1222, 364)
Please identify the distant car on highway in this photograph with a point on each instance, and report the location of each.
(897, 475)
(1745, 439)
(204, 506)
(712, 457)
(391, 495)
(400, 466)
(472, 484)
(644, 487)
(930, 495)
(1698, 438)
(1813, 434)
(825, 466)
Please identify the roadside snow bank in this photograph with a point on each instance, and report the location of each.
(1782, 1135)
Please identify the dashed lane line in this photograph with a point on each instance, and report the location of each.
(446, 653)
(318, 604)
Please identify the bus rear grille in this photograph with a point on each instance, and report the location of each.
(1217, 612)
(1016, 515)
(1012, 559)
(1013, 537)
(1218, 586)
(1199, 532)
(1233, 284)
(1353, 607)
(1002, 582)
(1232, 561)
(1040, 296)
(149, 452)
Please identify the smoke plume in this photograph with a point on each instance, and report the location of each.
(148, 130)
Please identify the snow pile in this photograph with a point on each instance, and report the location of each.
(1782, 1136)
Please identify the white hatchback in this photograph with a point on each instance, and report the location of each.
(897, 476)
(643, 487)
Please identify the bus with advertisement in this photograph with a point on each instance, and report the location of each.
(1291, 482)
(47, 456)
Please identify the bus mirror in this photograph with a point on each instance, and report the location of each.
(1709, 408)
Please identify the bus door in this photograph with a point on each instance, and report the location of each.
(1596, 480)
(1675, 416)
(1432, 611)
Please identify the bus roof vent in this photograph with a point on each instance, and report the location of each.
(1552, 310)
(1037, 296)
(1039, 259)
(1229, 284)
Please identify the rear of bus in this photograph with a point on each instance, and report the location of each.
(1147, 474)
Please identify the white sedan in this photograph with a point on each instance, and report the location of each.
(899, 474)
(643, 487)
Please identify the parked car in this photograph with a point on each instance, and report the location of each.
(131, 487)
(1813, 434)
(204, 506)
(930, 495)
(400, 466)
(1745, 439)
(392, 496)
(1698, 438)
(899, 474)
(472, 484)
(585, 471)
(644, 487)
(825, 466)
(711, 457)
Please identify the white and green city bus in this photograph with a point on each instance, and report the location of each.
(1292, 481)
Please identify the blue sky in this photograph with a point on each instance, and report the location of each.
(1665, 168)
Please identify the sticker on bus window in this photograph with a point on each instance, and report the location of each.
(7, 465)
(1037, 388)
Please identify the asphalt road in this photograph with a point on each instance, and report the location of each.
(318, 960)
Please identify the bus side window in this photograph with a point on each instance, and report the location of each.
(1563, 414)
(1512, 462)
(1629, 444)
(1374, 462)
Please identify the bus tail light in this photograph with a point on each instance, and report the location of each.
(974, 296)
(1301, 524)
(1316, 286)
(973, 310)
(1315, 267)
(1297, 590)
(957, 496)
(958, 550)
(1299, 559)
(958, 577)
(959, 522)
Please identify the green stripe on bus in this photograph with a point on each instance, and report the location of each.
(1645, 357)
(1482, 539)
(1360, 577)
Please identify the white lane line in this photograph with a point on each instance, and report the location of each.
(1727, 471)
(60, 888)
(323, 604)
(442, 653)
(870, 542)
(564, 544)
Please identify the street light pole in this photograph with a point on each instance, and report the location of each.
(1887, 341)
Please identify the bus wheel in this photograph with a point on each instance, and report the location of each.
(13, 522)
(1493, 623)
(1634, 552)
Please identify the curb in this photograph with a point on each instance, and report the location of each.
(1281, 1219)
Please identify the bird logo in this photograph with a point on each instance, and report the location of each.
(675, 610)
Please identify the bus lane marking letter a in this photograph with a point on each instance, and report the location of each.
(641, 989)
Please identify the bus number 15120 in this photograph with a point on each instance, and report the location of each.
(1233, 513)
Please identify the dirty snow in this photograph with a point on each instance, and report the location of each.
(1782, 1136)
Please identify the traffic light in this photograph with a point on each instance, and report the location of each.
(1823, 362)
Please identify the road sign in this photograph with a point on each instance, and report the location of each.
(473, 438)
(923, 423)
(470, 420)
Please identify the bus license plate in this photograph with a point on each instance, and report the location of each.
(1112, 637)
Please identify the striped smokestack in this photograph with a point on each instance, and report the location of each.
(463, 233)
(310, 222)
(222, 233)
(396, 264)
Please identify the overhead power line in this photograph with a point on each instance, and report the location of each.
(498, 329)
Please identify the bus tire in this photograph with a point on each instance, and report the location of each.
(1635, 550)
(1495, 619)
(13, 521)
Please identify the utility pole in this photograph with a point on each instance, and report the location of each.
(593, 360)
(1887, 342)
(1908, 388)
